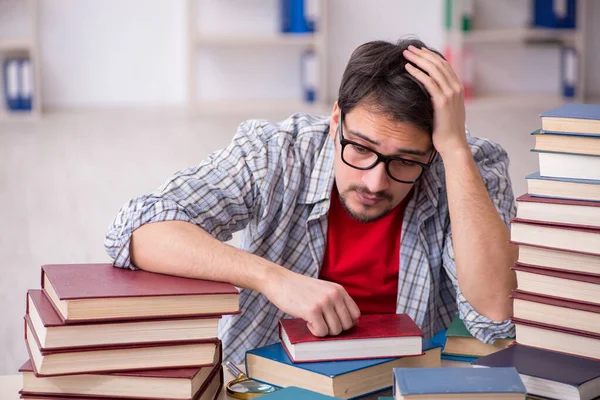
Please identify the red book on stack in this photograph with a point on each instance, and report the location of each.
(374, 336)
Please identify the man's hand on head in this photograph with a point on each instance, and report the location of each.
(326, 306)
(447, 96)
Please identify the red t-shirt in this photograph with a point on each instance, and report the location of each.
(364, 257)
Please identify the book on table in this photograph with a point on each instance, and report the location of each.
(579, 238)
(563, 188)
(345, 379)
(131, 357)
(569, 142)
(556, 338)
(575, 118)
(296, 393)
(209, 391)
(458, 383)
(100, 292)
(549, 374)
(559, 211)
(171, 384)
(556, 311)
(373, 336)
(460, 342)
(570, 285)
(54, 333)
(566, 260)
(568, 165)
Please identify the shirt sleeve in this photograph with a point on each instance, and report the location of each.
(492, 161)
(218, 195)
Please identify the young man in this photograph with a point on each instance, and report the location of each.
(385, 207)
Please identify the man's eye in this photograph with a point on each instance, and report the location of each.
(359, 149)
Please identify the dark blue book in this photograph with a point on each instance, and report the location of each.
(549, 374)
(296, 393)
(271, 365)
(469, 383)
(580, 118)
(563, 188)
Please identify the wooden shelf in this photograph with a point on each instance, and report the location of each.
(520, 35)
(263, 40)
(257, 108)
(16, 45)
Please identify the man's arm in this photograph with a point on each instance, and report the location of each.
(179, 230)
(480, 237)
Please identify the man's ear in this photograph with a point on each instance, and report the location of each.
(335, 120)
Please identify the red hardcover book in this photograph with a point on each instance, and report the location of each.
(569, 285)
(559, 236)
(54, 334)
(374, 336)
(556, 338)
(171, 384)
(556, 311)
(133, 357)
(100, 292)
(209, 390)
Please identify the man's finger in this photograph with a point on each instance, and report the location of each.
(352, 307)
(334, 326)
(344, 315)
(432, 87)
(317, 325)
(443, 65)
(417, 57)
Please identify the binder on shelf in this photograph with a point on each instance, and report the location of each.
(310, 76)
(569, 71)
(299, 16)
(554, 13)
(25, 84)
(11, 84)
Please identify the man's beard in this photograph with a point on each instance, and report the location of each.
(363, 217)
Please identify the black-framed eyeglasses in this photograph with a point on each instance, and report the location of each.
(361, 157)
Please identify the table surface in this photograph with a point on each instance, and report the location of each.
(11, 384)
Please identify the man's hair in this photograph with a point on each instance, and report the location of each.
(375, 77)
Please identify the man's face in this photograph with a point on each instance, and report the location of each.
(368, 195)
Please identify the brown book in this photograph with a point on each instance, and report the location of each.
(556, 311)
(100, 292)
(555, 338)
(132, 357)
(578, 144)
(559, 236)
(209, 390)
(560, 211)
(54, 334)
(550, 282)
(566, 260)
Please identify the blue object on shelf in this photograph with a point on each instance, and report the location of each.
(25, 84)
(11, 84)
(569, 71)
(294, 18)
(310, 76)
(554, 14)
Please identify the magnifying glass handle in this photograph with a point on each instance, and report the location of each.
(234, 370)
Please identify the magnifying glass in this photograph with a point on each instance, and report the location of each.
(242, 387)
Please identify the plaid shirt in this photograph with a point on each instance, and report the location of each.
(274, 181)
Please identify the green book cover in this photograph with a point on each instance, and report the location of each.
(457, 328)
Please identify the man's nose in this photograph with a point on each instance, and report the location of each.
(376, 179)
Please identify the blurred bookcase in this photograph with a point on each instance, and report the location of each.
(466, 34)
(236, 48)
(24, 43)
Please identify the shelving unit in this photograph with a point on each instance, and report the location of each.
(29, 47)
(279, 42)
(457, 40)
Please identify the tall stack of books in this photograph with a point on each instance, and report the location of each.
(98, 331)
(557, 229)
(357, 362)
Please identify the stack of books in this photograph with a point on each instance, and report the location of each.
(352, 364)
(557, 229)
(98, 331)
